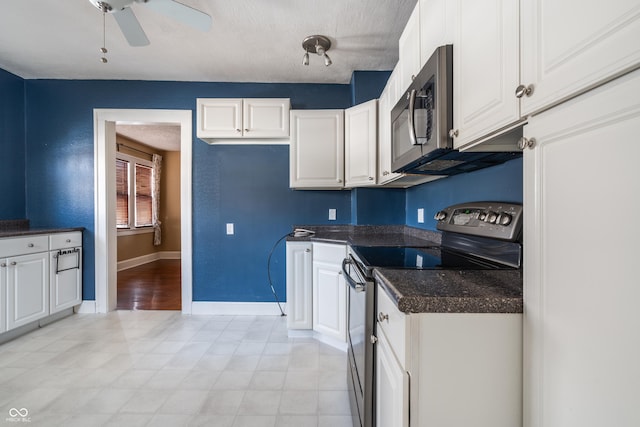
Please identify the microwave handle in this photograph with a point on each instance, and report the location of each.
(412, 109)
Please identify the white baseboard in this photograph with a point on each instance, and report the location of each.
(87, 306)
(144, 259)
(236, 308)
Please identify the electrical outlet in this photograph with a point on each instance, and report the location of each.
(332, 214)
(230, 228)
(421, 215)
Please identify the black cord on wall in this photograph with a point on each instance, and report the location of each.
(269, 271)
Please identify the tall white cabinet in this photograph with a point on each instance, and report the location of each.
(581, 200)
(361, 143)
(329, 291)
(299, 285)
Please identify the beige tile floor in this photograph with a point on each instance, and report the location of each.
(160, 368)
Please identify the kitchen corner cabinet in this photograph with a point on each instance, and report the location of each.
(66, 270)
(580, 273)
(329, 291)
(242, 118)
(299, 285)
(409, 64)
(562, 56)
(453, 369)
(485, 68)
(317, 149)
(361, 144)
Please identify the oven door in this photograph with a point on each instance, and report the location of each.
(360, 317)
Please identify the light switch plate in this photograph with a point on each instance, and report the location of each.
(230, 228)
(332, 214)
(421, 215)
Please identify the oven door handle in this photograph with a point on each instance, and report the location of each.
(358, 287)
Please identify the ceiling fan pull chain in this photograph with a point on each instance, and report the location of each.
(103, 49)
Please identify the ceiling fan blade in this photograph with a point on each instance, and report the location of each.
(183, 13)
(130, 27)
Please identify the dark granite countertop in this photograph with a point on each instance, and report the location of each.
(370, 235)
(34, 231)
(429, 291)
(453, 291)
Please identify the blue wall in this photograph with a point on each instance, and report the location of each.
(499, 183)
(12, 160)
(247, 185)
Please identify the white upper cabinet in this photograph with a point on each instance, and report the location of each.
(436, 26)
(361, 144)
(409, 50)
(570, 46)
(485, 68)
(385, 103)
(317, 149)
(219, 118)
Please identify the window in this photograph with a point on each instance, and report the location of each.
(134, 194)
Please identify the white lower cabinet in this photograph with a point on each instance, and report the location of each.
(316, 289)
(299, 285)
(329, 291)
(447, 369)
(40, 275)
(392, 387)
(27, 279)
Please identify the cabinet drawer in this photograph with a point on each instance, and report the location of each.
(65, 240)
(328, 252)
(393, 324)
(23, 245)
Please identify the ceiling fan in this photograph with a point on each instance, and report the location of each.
(131, 28)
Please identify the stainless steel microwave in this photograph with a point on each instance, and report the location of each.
(422, 118)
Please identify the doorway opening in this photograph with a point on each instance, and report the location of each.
(107, 122)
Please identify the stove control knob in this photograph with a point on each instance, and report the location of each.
(504, 219)
(482, 216)
(440, 215)
(491, 217)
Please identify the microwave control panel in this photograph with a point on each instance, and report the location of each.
(495, 220)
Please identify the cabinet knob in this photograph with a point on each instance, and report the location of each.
(246, 130)
(68, 240)
(370, 178)
(339, 180)
(382, 317)
(238, 130)
(373, 339)
(13, 263)
(453, 133)
(526, 143)
(385, 173)
(307, 250)
(3, 264)
(523, 90)
(413, 77)
(30, 245)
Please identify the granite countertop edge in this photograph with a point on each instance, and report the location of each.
(35, 231)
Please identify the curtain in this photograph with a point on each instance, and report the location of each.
(157, 170)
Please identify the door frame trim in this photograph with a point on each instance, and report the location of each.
(105, 199)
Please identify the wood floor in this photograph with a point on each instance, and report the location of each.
(152, 286)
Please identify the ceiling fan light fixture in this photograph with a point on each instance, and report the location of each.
(316, 44)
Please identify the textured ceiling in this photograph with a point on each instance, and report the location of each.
(250, 41)
(164, 137)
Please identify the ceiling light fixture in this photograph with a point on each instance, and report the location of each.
(319, 45)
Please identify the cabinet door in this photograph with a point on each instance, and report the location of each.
(317, 149)
(266, 118)
(385, 105)
(361, 137)
(27, 288)
(392, 387)
(299, 286)
(219, 118)
(329, 300)
(436, 26)
(65, 281)
(4, 275)
(409, 50)
(485, 68)
(570, 46)
(580, 278)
